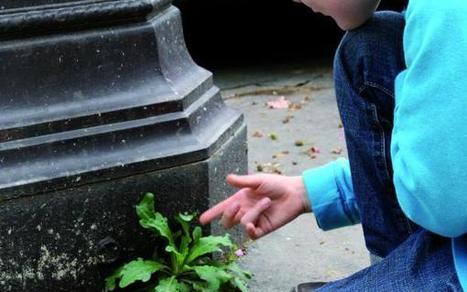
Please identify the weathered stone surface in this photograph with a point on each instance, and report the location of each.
(92, 117)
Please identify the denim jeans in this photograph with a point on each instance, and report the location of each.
(367, 62)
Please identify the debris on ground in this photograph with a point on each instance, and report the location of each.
(269, 168)
(295, 106)
(299, 143)
(257, 89)
(337, 151)
(313, 151)
(280, 154)
(287, 119)
(273, 136)
(280, 103)
(257, 134)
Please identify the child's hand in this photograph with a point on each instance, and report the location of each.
(264, 203)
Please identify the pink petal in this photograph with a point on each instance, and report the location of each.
(280, 103)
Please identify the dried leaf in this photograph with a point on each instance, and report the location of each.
(280, 103)
(295, 106)
(313, 151)
(287, 119)
(337, 150)
(269, 168)
(257, 134)
(280, 154)
(299, 143)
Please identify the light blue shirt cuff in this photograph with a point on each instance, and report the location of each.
(329, 189)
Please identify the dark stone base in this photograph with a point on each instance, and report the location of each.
(80, 235)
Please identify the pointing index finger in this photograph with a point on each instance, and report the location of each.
(215, 211)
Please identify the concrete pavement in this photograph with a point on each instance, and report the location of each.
(300, 251)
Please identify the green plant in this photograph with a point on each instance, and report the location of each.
(186, 263)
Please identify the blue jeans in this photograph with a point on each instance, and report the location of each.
(367, 62)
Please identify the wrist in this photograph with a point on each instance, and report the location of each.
(301, 194)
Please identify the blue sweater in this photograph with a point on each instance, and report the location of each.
(429, 135)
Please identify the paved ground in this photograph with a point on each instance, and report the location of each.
(299, 252)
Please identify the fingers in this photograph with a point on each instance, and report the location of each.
(228, 217)
(244, 181)
(216, 211)
(253, 214)
(254, 232)
(251, 218)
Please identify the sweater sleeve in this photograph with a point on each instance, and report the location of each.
(330, 192)
(430, 122)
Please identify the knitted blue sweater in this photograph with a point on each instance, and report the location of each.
(429, 135)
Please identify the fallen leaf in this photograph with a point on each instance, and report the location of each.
(280, 103)
(257, 134)
(269, 168)
(273, 137)
(337, 150)
(313, 151)
(280, 154)
(295, 106)
(287, 119)
(299, 143)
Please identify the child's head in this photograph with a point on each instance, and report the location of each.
(347, 13)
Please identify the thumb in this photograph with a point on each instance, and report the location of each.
(244, 181)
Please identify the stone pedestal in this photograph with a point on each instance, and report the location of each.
(100, 102)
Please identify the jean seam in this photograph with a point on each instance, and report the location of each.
(382, 139)
(374, 111)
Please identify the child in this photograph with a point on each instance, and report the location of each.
(401, 87)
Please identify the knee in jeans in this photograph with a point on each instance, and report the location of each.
(365, 39)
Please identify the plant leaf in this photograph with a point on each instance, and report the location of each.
(208, 244)
(171, 285)
(111, 281)
(150, 219)
(184, 221)
(145, 208)
(138, 270)
(214, 276)
(239, 284)
(240, 276)
(238, 271)
(197, 233)
(186, 217)
(172, 249)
